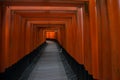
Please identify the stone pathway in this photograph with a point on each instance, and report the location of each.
(49, 66)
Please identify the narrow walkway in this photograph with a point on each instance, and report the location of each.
(49, 66)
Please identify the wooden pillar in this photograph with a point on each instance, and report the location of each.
(5, 36)
(32, 37)
(114, 27)
(15, 43)
(80, 35)
(105, 61)
(94, 38)
(87, 39)
(1, 26)
(42, 35)
(23, 25)
(62, 33)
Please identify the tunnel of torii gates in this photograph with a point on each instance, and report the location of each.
(89, 30)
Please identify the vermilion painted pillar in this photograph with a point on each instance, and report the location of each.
(5, 37)
(114, 28)
(80, 35)
(1, 20)
(105, 61)
(94, 38)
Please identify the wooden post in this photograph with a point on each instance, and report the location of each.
(94, 38)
